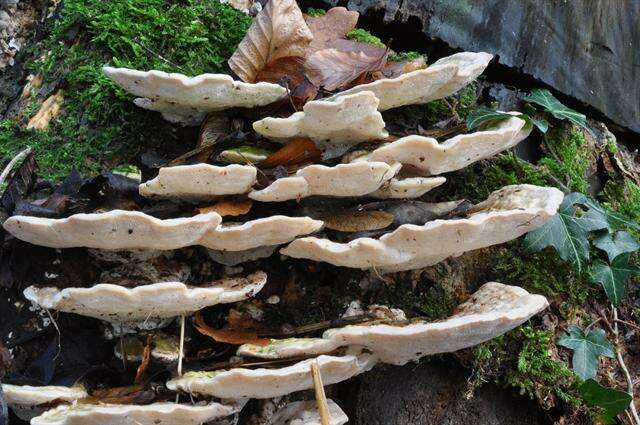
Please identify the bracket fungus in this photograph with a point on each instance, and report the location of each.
(306, 413)
(267, 383)
(186, 100)
(430, 157)
(441, 79)
(335, 125)
(507, 214)
(127, 414)
(490, 312)
(116, 230)
(27, 401)
(200, 181)
(117, 304)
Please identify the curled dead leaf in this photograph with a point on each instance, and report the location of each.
(333, 25)
(289, 72)
(228, 208)
(49, 109)
(395, 69)
(298, 151)
(144, 365)
(278, 31)
(229, 336)
(358, 221)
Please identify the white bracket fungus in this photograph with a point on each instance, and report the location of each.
(490, 312)
(117, 230)
(164, 413)
(306, 413)
(117, 304)
(431, 157)
(186, 100)
(200, 181)
(334, 126)
(267, 383)
(407, 188)
(507, 214)
(342, 180)
(441, 79)
(27, 401)
(274, 230)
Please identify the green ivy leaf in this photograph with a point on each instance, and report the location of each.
(587, 348)
(567, 232)
(613, 277)
(544, 98)
(617, 243)
(483, 116)
(610, 400)
(540, 123)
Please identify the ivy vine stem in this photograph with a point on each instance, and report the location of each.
(623, 366)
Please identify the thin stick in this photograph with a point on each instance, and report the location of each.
(623, 366)
(321, 398)
(123, 352)
(57, 330)
(182, 320)
(13, 163)
(631, 325)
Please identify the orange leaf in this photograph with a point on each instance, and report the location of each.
(299, 150)
(146, 358)
(229, 208)
(229, 336)
(278, 31)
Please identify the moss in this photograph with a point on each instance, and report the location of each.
(99, 122)
(568, 159)
(522, 359)
(405, 56)
(316, 12)
(622, 196)
(463, 102)
(365, 36)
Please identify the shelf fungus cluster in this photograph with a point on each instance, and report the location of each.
(381, 173)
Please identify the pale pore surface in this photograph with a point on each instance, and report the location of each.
(507, 214)
(431, 157)
(306, 413)
(186, 100)
(26, 395)
(152, 414)
(491, 311)
(274, 230)
(269, 383)
(342, 180)
(441, 79)
(115, 229)
(200, 181)
(114, 303)
(335, 126)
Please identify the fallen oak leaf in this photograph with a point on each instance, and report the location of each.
(278, 31)
(333, 68)
(228, 208)
(229, 336)
(299, 150)
(289, 72)
(358, 221)
(395, 69)
(333, 25)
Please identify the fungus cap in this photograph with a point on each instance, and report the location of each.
(27, 401)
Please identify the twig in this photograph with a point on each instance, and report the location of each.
(631, 325)
(321, 398)
(592, 324)
(57, 330)
(12, 164)
(623, 366)
(182, 320)
(123, 352)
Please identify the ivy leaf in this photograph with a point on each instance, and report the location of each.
(617, 243)
(540, 123)
(567, 232)
(484, 116)
(544, 98)
(614, 276)
(610, 400)
(587, 348)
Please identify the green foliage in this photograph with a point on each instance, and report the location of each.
(569, 160)
(616, 243)
(99, 121)
(611, 401)
(463, 102)
(587, 349)
(313, 12)
(544, 98)
(365, 36)
(623, 197)
(484, 117)
(406, 56)
(614, 276)
(567, 231)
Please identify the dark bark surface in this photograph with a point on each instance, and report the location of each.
(589, 51)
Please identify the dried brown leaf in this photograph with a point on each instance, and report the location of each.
(299, 150)
(144, 365)
(228, 208)
(229, 336)
(395, 69)
(333, 25)
(359, 221)
(332, 68)
(49, 109)
(289, 72)
(278, 31)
